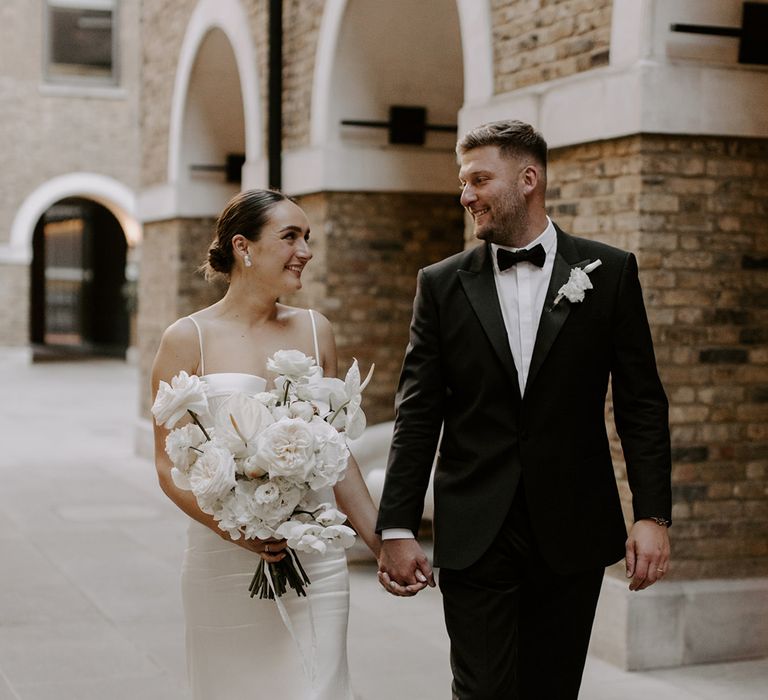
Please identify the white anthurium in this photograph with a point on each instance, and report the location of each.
(238, 423)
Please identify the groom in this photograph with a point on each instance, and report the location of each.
(512, 346)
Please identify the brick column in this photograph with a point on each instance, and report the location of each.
(694, 211)
(368, 248)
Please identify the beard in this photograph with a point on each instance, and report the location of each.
(509, 222)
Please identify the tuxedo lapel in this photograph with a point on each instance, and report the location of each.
(553, 317)
(480, 288)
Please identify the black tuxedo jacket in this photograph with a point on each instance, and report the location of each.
(459, 375)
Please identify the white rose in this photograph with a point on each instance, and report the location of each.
(294, 364)
(179, 444)
(331, 516)
(238, 422)
(212, 476)
(286, 448)
(331, 455)
(338, 536)
(252, 467)
(185, 393)
(181, 479)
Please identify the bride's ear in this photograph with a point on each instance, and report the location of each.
(239, 245)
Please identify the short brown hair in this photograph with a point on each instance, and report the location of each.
(513, 138)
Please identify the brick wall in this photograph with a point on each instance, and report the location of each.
(301, 20)
(367, 250)
(539, 40)
(694, 210)
(169, 285)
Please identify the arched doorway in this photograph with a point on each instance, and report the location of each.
(80, 300)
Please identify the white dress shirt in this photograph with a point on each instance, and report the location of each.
(522, 289)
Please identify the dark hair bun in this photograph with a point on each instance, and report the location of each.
(219, 259)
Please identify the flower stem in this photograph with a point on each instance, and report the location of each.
(199, 424)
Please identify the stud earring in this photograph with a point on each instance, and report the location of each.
(247, 260)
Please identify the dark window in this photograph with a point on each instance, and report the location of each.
(81, 43)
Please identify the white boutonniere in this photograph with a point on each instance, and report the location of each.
(578, 283)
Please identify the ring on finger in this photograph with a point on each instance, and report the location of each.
(266, 548)
(661, 571)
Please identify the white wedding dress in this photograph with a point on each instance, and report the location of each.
(241, 648)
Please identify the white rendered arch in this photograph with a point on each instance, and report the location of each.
(477, 52)
(110, 193)
(230, 17)
(328, 164)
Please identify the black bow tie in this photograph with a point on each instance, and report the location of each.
(507, 258)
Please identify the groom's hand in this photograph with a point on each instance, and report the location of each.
(403, 567)
(647, 554)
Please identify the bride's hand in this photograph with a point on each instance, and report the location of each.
(271, 550)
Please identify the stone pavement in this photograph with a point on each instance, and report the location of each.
(90, 551)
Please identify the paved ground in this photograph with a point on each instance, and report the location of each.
(89, 563)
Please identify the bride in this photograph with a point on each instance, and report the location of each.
(237, 646)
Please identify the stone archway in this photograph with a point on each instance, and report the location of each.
(81, 299)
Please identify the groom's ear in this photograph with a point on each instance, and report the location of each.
(531, 179)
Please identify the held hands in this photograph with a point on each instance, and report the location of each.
(647, 555)
(403, 567)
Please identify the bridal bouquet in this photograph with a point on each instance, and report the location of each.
(258, 467)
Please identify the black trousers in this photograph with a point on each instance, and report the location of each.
(518, 630)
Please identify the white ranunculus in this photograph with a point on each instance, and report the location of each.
(238, 422)
(286, 448)
(338, 536)
(294, 364)
(212, 476)
(184, 393)
(267, 493)
(331, 516)
(331, 455)
(303, 410)
(280, 508)
(234, 513)
(179, 444)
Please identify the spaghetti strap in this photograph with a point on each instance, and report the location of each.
(200, 338)
(314, 336)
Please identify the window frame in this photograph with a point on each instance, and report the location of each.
(80, 81)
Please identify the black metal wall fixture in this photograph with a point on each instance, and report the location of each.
(232, 168)
(752, 35)
(406, 125)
